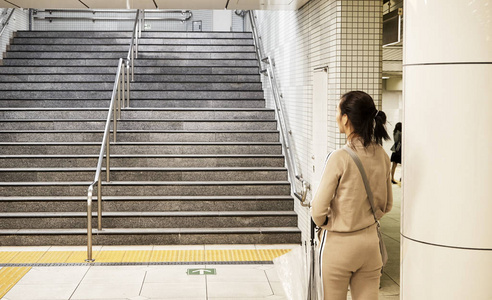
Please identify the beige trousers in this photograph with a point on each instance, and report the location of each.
(351, 258)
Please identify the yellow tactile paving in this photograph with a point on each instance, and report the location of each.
(270, 254)
(80, 256)
(27, 257)
(110, 256)
(55, 257)
(6, 256)
(232, 255)
(141, 256)
(137, 256)
(10, 277)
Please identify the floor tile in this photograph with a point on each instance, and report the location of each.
(238, 273)
(44, 291)
(106, 291)
(115, 275)
(175, 290)
(234, 290)
(54, 275)
(172, 274)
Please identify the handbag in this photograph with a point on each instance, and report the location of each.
(382, 246)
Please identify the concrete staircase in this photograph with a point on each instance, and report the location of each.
(198, 158)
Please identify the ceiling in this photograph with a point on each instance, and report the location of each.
(160, 4)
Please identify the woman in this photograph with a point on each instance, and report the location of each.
(349, 247)
(396, 155)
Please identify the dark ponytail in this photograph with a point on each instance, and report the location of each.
(368, 122)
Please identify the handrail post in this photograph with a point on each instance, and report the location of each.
(99, 204)
(123, 86)
(132, 66)
(89, 225)
(115, 123)
(108, 158)
(119, 96)
(128, 84)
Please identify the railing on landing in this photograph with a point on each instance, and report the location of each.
(285, 132)
(114, 113)
(6, 22)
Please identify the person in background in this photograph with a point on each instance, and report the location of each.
(396, 155)
(349, 244)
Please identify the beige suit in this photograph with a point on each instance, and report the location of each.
(349, 247)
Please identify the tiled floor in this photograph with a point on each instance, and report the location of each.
(141, 282)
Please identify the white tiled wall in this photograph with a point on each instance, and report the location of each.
(18, 21)
(344, 36)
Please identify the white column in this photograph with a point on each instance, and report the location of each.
(447, 165)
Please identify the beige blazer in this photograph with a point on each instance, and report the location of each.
(340, 203)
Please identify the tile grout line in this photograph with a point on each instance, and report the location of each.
(143, 282)
(82, 279)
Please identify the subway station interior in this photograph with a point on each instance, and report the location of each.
(170, 149)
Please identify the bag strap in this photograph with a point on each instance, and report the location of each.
(357, 161)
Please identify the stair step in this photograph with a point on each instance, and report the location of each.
(137, 113)
(152, 236)
(128, 34)
(139, 78)
(138, 124)
(135, 86)
(141, 136)
(141, 55)
(158, 95)
(135, 103)
(91, 67)
(149, 203)
(144, 174)
(176, 219)
(141, 148)
(98, 61)
(148, 188)
(170, 161)
(143, 48)
(124, 41)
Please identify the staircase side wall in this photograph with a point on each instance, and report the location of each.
(18, 21)
(344, 36)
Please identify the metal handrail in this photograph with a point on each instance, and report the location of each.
(285, 132)
(105, 147)
(50, 18)
(118, 95)
(4, 24)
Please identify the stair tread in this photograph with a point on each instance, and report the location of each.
(162, 169)
(147, 214)
(144, 155)
(83, 231)
(140, 143)
(150, 198)
(143, 183)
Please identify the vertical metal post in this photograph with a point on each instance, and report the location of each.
(89, 225)
(123, 85)
(128, 84)
(132, 66)
(115, 124)
(107, 158)
(119, 97)
(99, 204)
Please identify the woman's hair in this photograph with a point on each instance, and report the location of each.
(397, 127)
(367, 121)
